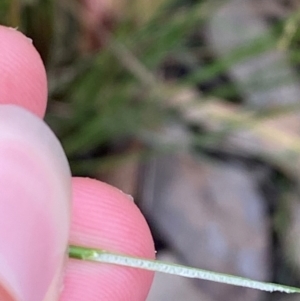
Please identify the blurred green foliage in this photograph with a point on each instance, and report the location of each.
(105, 97)
(4, 11)
(101, 98)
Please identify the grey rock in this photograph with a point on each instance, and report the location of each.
(213, 217)
(265, 79)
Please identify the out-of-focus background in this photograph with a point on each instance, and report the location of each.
(192, 107)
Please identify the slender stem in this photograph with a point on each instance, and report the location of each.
(15, 13)
(103, 256)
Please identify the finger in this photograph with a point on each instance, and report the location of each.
(22, 74)
(105, 218)
(35, 186)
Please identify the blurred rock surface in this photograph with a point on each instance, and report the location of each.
(267, 79)
(213, 216)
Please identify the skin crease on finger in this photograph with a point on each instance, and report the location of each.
(103, 216)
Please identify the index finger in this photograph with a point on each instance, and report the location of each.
(22, 74)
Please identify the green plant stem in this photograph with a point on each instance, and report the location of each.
(103, 256)
(14, 13)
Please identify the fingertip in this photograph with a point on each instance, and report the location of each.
(102, 209)
(35, 185)
(96, 281)
(105, 218)
(22, 74)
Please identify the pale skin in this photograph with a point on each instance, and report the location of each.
(102, 217)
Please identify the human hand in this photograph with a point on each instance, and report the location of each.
(102, 216)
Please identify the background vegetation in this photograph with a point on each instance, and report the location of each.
(118, 77)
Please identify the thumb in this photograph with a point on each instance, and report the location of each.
(35, 185)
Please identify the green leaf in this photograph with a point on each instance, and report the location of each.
(103, 256)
